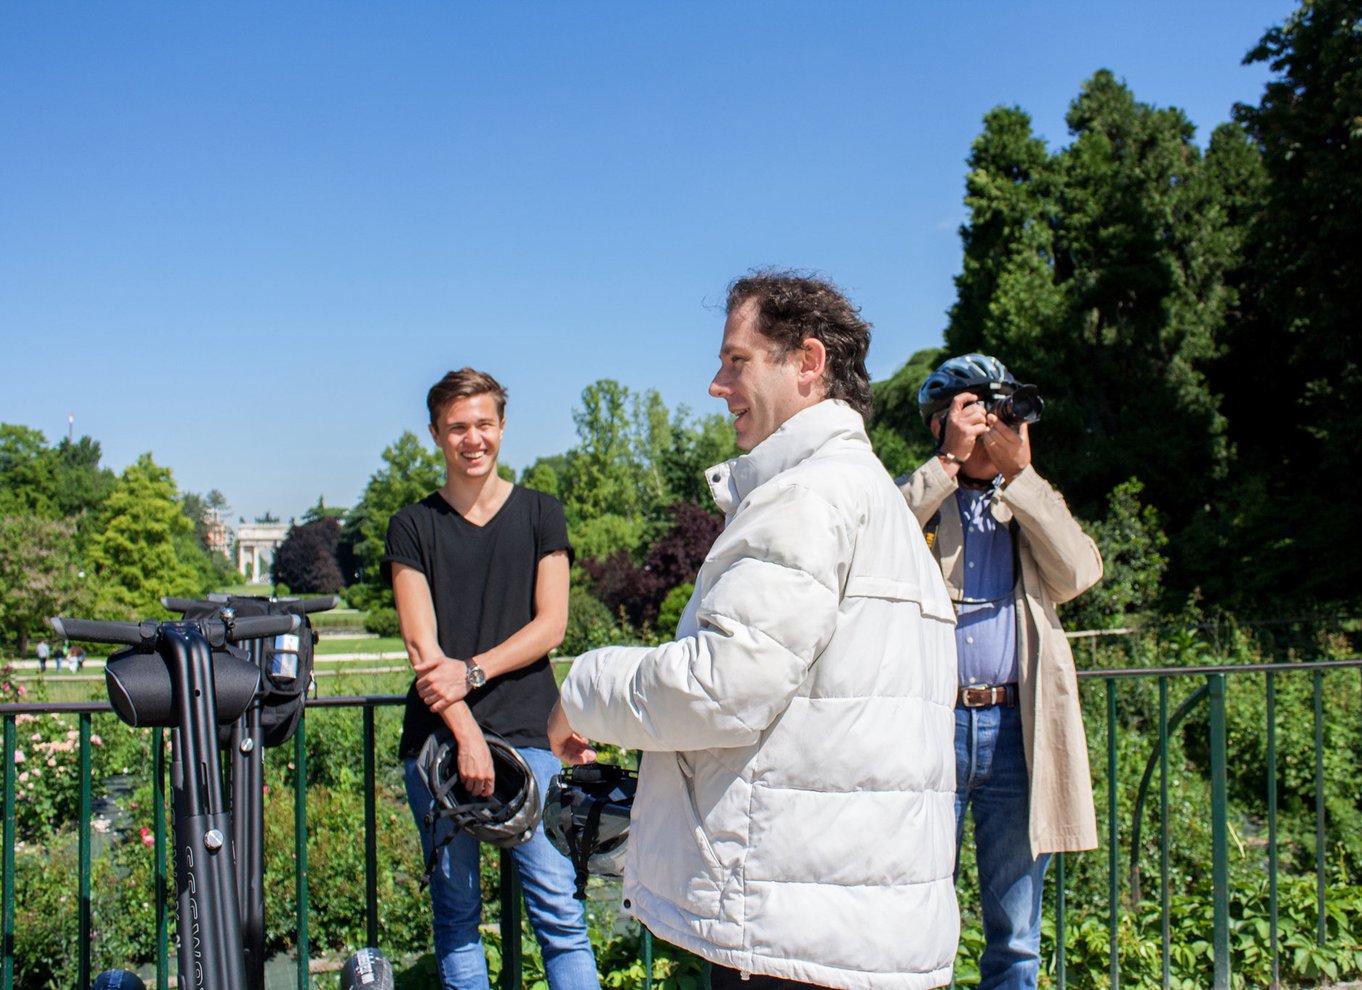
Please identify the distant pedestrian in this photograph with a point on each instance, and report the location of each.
(76, 657)
(43, 651)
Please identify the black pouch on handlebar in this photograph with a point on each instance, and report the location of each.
(141, 692)
(285, 664)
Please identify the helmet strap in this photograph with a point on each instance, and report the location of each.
(584, 842)
(433, 859)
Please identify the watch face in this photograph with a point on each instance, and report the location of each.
(476, 678)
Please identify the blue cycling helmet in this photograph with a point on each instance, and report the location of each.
(985, 376)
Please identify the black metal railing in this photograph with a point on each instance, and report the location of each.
(1207, 691)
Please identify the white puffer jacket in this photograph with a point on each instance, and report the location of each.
(795, 813)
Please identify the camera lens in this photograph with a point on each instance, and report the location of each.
(1022, 406)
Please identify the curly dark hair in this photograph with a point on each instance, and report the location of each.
(794, 306)
(463, 384)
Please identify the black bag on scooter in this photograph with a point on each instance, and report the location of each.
(286, 664)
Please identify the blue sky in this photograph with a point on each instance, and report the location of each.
(247, 237)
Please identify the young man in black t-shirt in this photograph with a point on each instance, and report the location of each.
(479, 570)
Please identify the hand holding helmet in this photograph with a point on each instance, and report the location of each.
(477, 772)
(507, 817)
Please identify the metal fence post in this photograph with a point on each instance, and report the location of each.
(158, 805)
(1272, 827)
(83, 903)
(1165, 933)
(1320, 884)
(300, 844)
(510, 923)
(370, 833)
(7, 968)
(1113, 887)
(1220, 927)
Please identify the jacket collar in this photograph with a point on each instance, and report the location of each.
(795, 441)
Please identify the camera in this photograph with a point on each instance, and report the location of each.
(1023, 405)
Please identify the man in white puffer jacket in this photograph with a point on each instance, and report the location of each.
(794, 822)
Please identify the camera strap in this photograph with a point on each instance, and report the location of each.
(933, 525)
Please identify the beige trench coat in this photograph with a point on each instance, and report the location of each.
(1058, 562)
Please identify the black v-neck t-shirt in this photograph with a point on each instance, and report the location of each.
(482, 582)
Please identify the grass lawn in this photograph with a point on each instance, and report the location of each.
(245, 589)
(65, 688)
(338, 618)
(327, 645)
(345, 684)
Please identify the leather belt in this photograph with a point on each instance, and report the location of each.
(986, 695)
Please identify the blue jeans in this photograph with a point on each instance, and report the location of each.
(546, 877)
(991, 777)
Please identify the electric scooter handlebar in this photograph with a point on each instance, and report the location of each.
(301, 604)
(143, 634)
(100, 631)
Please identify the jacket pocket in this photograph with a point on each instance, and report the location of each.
(694, 818)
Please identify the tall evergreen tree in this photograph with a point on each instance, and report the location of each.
(1294, 361)
(1098, 273)
(1006, 289)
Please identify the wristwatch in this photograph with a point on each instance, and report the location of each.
(477, 677)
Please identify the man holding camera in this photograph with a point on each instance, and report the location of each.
(1010, 552)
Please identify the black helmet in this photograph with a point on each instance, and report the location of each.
(507, 817)
(367, 969)
(118, 979)
(986, 376)
(586, 817)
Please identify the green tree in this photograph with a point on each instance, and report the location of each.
(26, 471)
(64, 481)
(143, 544)
(306, 560)
(633, 460)
(323, 511)
(899, 436)
(602, 474)
(1006, 286)
(1132, 544)
(201, 510)
(80, 485)
(409, 473)
(546, 475)
(1292, 378)
(40, 575)
(654, 430)
(1100, 273)
(695, 446)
